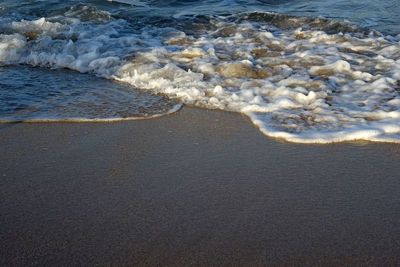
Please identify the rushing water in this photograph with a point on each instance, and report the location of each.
(306, 71)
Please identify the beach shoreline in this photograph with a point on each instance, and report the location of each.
(198, 186)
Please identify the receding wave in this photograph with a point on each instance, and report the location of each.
(309, 80)
(41, 95)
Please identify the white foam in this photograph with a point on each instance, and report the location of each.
(38, 27)
(339, 66)
(9, 45)
(300, 85)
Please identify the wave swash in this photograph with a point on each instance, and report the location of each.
(307, 80)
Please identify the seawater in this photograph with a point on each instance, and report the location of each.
(305, 71)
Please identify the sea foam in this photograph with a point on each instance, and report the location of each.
(304, 80)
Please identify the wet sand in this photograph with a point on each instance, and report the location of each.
(198, 187)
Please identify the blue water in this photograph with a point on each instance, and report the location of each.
(381, 15)
(305, 71)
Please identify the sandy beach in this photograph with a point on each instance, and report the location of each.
(197, 187)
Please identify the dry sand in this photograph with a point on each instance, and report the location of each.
(197, 187)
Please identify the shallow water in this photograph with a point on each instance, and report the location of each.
(304, 71)
(40, 94)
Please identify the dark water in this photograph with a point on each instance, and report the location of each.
(305, 71)
(53, 95)
(380, 15)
